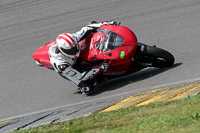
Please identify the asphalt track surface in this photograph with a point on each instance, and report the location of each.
(25, 25)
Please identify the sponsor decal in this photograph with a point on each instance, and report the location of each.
(122, 54)
(142, 48)
(46, 64)
(83, 46)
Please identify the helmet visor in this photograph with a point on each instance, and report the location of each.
(72, 51)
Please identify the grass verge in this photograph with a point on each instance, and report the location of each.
(179, 116)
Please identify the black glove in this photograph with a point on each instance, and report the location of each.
(103, 66)
(92, 22)
(110, 22)
(63, 66)
(113, 23)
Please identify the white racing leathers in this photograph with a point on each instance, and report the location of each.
(64, 65)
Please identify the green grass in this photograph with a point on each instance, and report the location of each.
(179, 116)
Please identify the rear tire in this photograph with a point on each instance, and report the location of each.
(151, 56)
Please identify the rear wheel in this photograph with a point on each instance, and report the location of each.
(151, 56)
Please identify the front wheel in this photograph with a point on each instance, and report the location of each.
(152, 56)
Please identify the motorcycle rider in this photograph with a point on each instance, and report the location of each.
(64, 54)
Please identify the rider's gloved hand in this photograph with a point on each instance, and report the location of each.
(94, 25)
(103, 66)
(110, 22)
(92, 22)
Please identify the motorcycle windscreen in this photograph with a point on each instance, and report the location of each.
(109, 41)
(106, 45)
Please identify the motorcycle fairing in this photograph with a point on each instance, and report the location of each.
(41, 55)
(128, 45)
(121, 54)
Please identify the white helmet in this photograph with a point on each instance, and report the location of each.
(67, 45)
